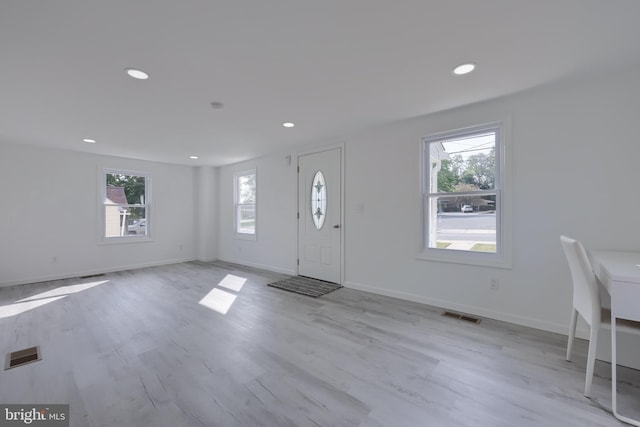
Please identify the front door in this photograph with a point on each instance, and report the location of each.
(320, 213)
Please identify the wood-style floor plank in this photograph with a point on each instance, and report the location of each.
(136, 348)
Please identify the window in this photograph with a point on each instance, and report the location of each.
(318, 200)
(245, 203)
(125, 205)
(463, 185)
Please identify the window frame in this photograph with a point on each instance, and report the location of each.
(129, 238)
(502, 257)
(236, 205)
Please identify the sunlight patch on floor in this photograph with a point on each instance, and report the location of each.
(22, 307)
(235, 283)
(220, 300)
(38, 300)
(63, 290)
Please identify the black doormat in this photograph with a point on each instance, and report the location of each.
(305, 286)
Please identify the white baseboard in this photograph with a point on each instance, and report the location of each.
(260, 266)
(628, 346)
(82, 273)
(463, 308)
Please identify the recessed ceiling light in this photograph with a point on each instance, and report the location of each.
(137, 74)
(193, 157)
(288, 124)
(464, 69)
(89, 141)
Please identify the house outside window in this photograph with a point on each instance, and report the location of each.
(125, 205)
(463, 182)
(245, 204)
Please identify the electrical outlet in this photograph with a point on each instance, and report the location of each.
(494, 285)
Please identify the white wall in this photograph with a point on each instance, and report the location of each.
(49, 215)
(573, 159)
(206, 183)
(275, 245)
(574, 150)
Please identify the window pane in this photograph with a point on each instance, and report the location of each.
(246, 219)
(247, 189)
(463, 197)
(463, 164)
(465, 223)
(126, 189)
(125, 205)
(124, 221)
(318, 200)
(137, 221)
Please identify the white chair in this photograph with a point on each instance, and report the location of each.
(586, 302)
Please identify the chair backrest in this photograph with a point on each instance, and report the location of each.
(586, 297)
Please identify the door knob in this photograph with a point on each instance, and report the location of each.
(336, 226)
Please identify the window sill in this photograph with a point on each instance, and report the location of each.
(465, 257)
(124, 240)
(244, 236)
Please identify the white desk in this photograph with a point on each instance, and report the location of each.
(619, 272)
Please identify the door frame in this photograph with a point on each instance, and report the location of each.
(315, 150)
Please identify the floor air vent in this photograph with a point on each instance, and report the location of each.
(92, 275)
(461, 317)
(22, 357)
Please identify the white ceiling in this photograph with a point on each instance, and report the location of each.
(330, 66)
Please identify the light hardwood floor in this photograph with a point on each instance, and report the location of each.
(139, 350)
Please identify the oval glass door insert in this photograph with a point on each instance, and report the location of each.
(318, 200)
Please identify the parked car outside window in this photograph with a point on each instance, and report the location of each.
(466, 208)
(138, 227)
